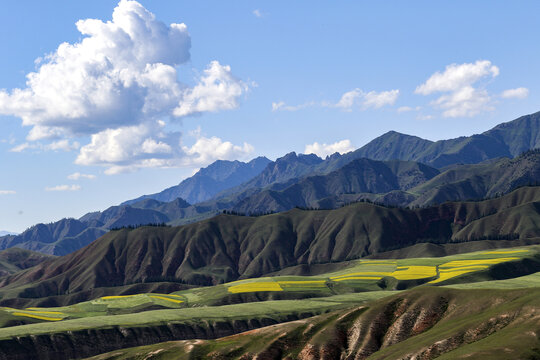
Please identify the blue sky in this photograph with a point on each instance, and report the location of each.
(100, 112)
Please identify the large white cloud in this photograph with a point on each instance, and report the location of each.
(116, 85)
(323, 150)
(457, 83)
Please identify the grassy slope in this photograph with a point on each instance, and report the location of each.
(427, 323)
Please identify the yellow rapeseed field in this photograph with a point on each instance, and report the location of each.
(456, 268)
(414, 272)
(255, 286)
(359, 278)
(166, 298)
(116, 297)
(461, 263)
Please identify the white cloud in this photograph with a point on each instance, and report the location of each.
(78, 175)
(467, 101)
(323, 150)
(424, 117)
(518, 93)
(460, 98)
(217, 90)
(207, 150)
(131, 148)
(64, 145)
(455, 77)
(115, 86)
(372, 99)
(7, 192)
(257, 13)
(281, 106)
(64, 188)
(20, 147)
(403, 109)
(120, 73)
(349, 100)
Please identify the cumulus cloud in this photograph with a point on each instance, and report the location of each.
(7, 192)
(78, 175)
(64, 188)
(323, 150)
(116, 85)
(131, 148)
(207, 150)
(457, 82)
(217, 90)
(518, 93)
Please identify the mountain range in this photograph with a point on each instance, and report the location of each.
(393, 169)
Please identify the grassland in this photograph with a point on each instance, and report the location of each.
(364, 276)
(275, 298)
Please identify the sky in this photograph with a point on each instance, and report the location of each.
(104, 101)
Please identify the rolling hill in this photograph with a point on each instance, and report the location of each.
(226, 247)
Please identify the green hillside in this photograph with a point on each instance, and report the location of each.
(228, 248)
(476, 318)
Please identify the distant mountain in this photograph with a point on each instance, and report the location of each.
(262, 185)
(358, 176)
(227, 247)
(288, 167)
(209, 181)
(58, 238)
(492, 178)
(14, 259)
(4, 233)
(505, 140)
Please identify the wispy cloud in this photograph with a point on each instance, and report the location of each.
(257, 13)
(64, 188)
(281, 106)
(7, 192)
(403, 109)
(78, 175)
(350, 100)
(518, 93)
